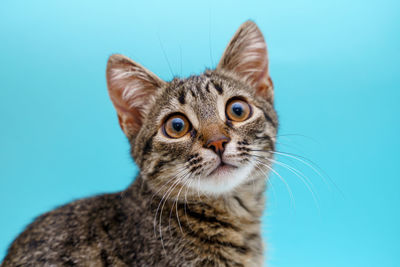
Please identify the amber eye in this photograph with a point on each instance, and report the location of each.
(176, 126)
(238, 110)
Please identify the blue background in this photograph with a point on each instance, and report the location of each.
(336, 74)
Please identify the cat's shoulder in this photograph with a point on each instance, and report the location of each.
(78, 210)
(66, 228)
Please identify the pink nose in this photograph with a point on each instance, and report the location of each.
(218, 144)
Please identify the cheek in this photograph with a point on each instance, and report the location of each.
(252, 129)
(231, 147)
(201, 160)
(207, 155)
(178, 148)
(234, 152)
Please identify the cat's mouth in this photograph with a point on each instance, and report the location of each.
(223, 169)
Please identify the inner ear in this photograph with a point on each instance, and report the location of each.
(246, 57)
(131, 88)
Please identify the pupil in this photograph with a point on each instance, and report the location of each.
(237, 109)
(177, 124)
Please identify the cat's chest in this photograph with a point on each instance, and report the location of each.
(194, 237)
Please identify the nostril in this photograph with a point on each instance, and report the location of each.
(218, 146)
(224, 142)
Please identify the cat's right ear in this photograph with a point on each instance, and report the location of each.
(131, 87)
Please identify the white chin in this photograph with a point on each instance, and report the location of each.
(222, 180)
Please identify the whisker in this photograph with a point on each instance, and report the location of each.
(297, 135)
(209, 40)
(180, 53)
(183, 182)
(176, 178)
(281, 178)
(298, 173)
(183, 169)
(165, 54)
(187, 188)
(162, 207)
(198, 187)
(289, 146)
(303, 178)
(309, 163)
(268, 180)
(176, 210)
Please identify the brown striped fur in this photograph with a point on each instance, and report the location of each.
(175, 213)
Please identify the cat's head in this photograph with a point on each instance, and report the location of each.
(206, 134)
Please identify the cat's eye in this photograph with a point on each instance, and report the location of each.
(176, 126)
(238, 110)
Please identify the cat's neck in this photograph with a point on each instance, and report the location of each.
(245, 201)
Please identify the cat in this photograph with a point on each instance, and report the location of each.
(204, 146)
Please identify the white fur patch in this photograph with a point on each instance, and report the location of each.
(217, 184)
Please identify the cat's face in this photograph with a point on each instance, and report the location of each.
(205, 134)
(201, 131)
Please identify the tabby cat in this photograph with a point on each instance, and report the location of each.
(203, 145)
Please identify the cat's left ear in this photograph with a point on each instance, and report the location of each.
(131, 87)
(246, 56)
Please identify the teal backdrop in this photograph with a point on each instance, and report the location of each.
(335, 68)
